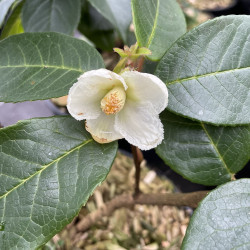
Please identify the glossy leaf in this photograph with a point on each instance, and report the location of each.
(222, 221)
(158, 23)
(117, 12)
(4, 8)
(207, 72)
(14, 24)
(36, 66)
(49, 168)
(203, 153)
(51, 15)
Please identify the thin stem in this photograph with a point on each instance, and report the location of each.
(120, 65)
(140, 64)
(138, 158)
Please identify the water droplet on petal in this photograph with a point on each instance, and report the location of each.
(200, 112)
(50, 153)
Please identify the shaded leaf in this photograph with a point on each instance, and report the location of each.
(117, 12)
(14, 23)
(97, 28)
(222, 221)
(207, 72)
(158, 23)
(51, 15)
(49, 168)
(36, 66)
(203, 153)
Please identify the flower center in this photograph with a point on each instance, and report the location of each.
(113, 101)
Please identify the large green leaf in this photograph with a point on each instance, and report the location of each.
(51, 15)
(158, 23)
(207, 72)
(117, 12)
(202, 153)
(14, 23)
(222, 221)
(48, 169)
(36, 66)
(4, 8)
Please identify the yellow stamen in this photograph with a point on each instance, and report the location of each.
(113, 101)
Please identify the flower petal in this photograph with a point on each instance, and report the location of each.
(140, 125)
(103, 128)
(86, 94)
(146, 87)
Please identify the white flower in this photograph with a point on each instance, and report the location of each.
(120, 106)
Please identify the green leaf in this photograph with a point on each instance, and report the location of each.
(49, 168)
(207, 72)
(51, 15)
(4, 8)
(121, 52)
(158, 23)
(222, 220)
(36, 66)
(143, 51)
(149, 66)
(203, 153)
(14, 23)
(97, 28)
(117, 12)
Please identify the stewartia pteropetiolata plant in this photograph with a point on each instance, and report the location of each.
(50, 166)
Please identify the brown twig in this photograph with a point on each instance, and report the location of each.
(138, 158)
(140, 64)
(126, 200)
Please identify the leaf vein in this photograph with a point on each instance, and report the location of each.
(215, 148)
(206, 75)
(46, 166)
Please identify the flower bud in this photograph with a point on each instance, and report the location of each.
(113, 101)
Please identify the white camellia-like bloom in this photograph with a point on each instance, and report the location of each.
(120, 106)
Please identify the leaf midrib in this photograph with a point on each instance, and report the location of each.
(41, 66)
(216, 149)
(46, 166)
(205, 75)
(154, 25)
